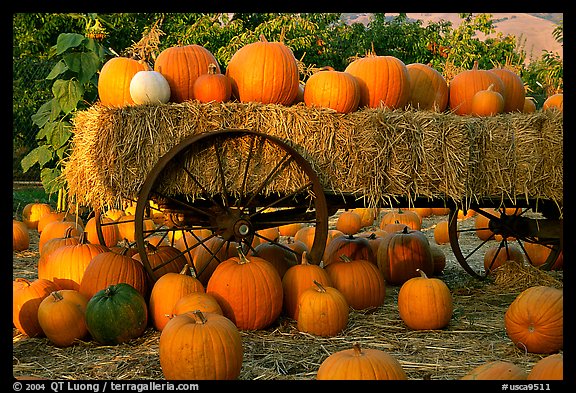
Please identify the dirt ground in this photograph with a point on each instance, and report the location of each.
(475, 335)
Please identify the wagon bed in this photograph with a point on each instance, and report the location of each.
(272, 164)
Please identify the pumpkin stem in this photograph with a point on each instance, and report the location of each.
(57, 295)
(320, 287)
(263, 38)
(405, 230)
(200, 318)
(345, 258)
(422, 274)
(475, 66)
(357, 349)
(212, 68)
(491, 87)
(242, 259)
(84, 238)
(305, 258)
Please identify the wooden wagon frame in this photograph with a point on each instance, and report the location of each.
(236, 169)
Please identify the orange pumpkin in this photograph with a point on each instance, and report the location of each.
(534, 321)
(441, 234)
(332, 89)
(322, 311)
(197, 301)
(555, 101)
(354, 247)
(428, 88)
(497, 254)
(114, 80)
(212, 86)
(466, 84)
(249, 290)
(281, 258)
(367, 215)
(32, 212)
(349, 222)
(167, 290)
(109, 231)
(200, 346)
(529, 105)
(537, 255)
(496, 370)
(549, 368)
(487, 102)
(439, 258)
(207, 256)
(265, 72)
(383, 81)
(165, 259)
(61, 316)
(20, 236)
(299, 278)
(408, 217)
(57, 216)
(58, 229)
(181, 66)
(514, 91)
(361, 364)
(26, 298)
(425, 303)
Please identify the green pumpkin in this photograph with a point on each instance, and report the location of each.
(116, 314)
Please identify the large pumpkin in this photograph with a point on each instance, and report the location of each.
(26, 298)
(59, 229)
(200, 346)
(20, 236)
(249, 290)
(514, 91)
(383, 81)
(265, 72)
(361, 364)
(116, 314)
(181, 66)
(400, 254)
(549, 368)
(61, 316)
(425, 303)
(466, 84)
(534, 321)
(322, 311)
(428, 88)
(332, 89)
(114, 80)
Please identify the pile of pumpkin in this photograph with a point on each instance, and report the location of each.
(85, 289)
(267, 72)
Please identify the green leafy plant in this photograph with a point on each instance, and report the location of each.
(74, 87)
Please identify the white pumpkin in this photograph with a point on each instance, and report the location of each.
(149, 87)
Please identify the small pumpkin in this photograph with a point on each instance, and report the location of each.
(57, 216)
(20, 236)
(354, 247)
(26, 298)
(109, 231)
(114, 80)
(149, 87)
(281, 258)
(349, 222)
(534, 321)
(164, 259)
(496, 370)
(32, 212)
(116, 314)
(328, 88)
(361, 364)
(487, 102)
(548, 368)
(322, 311)
(441, 232)
(58, 229)
(61, 316)
(212, 86)
(497, 254)
(425, 303)
(200, 346)
(529, 105)
(407, 217)
(555, 101)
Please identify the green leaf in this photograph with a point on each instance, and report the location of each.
(46, 131)
(66, 41)
(40, 155)
(51, 181)
(67, 93)
(84, 64)
(60, 135)
(57, 70)
(47, 112)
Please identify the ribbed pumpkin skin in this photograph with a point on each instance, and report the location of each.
(26, 298)
(549, 368)
(383, 80)
(20, 236)
(109, 268)
(265, 72)
(249, 292)
(61, 316)
(400, 254)
(114, 81)
(299, 278)
(66, 265)
(487, 103)
(467, 83)
(332, 89)
(212, 86)
(322, 311)
(167, 290)
(116, 314)
(428, 88)
(110, 232)
(361, 364)
(197, 301)
(181, 66)
(32, 212)
(354, 247)
(157, 256)
(534, 321)
(407, 217)
(360, 281)
(495, 256)
(425, 303)
(496, 370)
(514, 91)
(555, 101)
(193, 350)
(58, 229)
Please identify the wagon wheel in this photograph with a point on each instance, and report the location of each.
(506, 227)
(232, 172)
(102, 224)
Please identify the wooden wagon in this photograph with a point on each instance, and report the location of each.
(235, 169)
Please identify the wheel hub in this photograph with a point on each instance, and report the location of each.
(233, 225)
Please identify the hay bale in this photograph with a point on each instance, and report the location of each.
(377, 154)
(512, 275)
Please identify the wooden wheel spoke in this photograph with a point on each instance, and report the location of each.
(184, 204)
(221, 175)
(204, 191)
(282, 199)
(247, 166)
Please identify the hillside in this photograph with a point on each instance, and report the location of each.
(533, 31)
